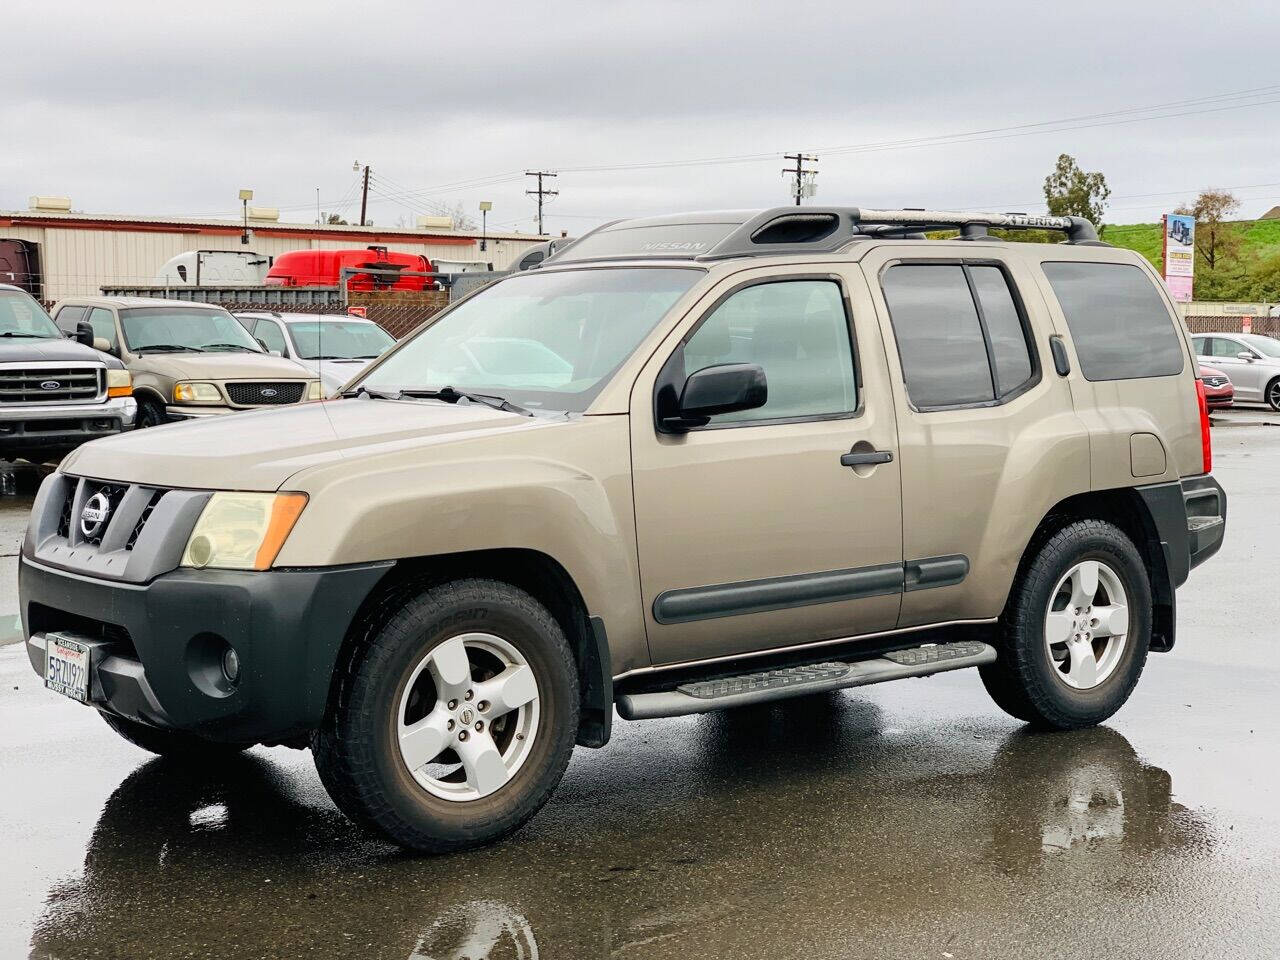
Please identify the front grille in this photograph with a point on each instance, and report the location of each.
(264, 394)
(143, 518)
(1215, 381)
(70, 384)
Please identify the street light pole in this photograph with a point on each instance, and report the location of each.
(485, 207)
(245, 197)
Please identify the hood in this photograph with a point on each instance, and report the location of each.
(262, 449)
(335, 373)
(55, 349)
(219, 366)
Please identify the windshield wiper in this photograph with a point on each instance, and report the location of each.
(34, 336)
(167, 348)
(363, 391)
(229, 346)
(450, 395)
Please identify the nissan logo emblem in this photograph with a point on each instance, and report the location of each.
(268, 391)
(50, 385)
(94, 515)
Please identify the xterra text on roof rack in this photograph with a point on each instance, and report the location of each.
(687, 463)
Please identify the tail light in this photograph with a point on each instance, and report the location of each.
(1206, 447)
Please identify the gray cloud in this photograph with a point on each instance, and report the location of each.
(142, 108)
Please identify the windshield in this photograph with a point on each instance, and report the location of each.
(20, 316)
(338, 339)
(540, 340)
(184, 328)
(1264, 345)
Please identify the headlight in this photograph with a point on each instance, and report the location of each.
(192, 391)
(315, 391)
(119, 383)
(242, 531)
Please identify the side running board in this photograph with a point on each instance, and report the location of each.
(705, 695)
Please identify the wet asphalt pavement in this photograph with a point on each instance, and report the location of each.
(911, 819)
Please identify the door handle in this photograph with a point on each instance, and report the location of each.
(867, 457)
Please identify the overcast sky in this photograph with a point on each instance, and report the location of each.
(141, 108)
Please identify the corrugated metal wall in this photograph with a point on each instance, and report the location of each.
(78, 261)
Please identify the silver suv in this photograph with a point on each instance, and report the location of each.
(685, 464)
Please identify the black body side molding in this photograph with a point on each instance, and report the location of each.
(829, 586)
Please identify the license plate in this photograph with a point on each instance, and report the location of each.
(66, 666)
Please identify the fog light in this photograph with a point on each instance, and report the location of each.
(231, 664)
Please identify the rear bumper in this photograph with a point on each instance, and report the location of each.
(27, 426)
(157, 647)
(1190, 518)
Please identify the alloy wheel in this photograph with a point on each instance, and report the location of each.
(1087, 624)
(467, 718)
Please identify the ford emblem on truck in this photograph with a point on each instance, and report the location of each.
(94, 515)
(50, 385)
(268, 391)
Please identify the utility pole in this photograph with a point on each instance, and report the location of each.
(540, 193)
(364, 196)
(799, 172)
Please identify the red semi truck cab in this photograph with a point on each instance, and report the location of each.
(323, 268)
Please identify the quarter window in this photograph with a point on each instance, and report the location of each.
(1121, 326)
(961, 336)
(798, 332)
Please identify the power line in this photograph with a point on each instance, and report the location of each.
(540, 192)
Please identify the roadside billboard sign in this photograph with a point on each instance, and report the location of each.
(1179, 255)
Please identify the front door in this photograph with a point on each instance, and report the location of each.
(1247, 376)
(752, 533)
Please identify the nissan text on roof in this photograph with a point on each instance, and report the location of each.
(687, 463)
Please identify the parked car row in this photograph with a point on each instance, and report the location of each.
(102, 365)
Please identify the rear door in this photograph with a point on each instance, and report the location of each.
(988, 436)
(752, 533)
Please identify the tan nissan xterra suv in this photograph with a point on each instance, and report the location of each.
(687, 463)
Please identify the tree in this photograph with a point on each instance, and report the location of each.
(457, 212)
(332, 218)
(1072, 192)
(1217, 242)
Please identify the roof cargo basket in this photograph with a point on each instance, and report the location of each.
(725, 234)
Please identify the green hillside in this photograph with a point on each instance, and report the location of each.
(1261, 238)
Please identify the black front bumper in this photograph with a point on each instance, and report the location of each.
(156, 646)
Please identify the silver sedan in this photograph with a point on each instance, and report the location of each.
(1251, 361)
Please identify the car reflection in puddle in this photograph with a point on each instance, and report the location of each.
(722, 844)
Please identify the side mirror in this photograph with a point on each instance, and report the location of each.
(723, 388)
(101, 343)
(84, 334)
(1245, 355)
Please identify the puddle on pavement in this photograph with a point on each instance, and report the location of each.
(750, 839)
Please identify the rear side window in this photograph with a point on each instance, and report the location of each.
(1120, 325)
(961, 336)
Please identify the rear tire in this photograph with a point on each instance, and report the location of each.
(1074, 636)
(453, 722)
(171, 743)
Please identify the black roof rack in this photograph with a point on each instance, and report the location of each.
(721, 235)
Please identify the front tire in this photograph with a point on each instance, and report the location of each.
(150, 413)
(1075, 633)
(453, 721)
(1272, 394)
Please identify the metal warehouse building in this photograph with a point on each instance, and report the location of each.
(78, 253)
